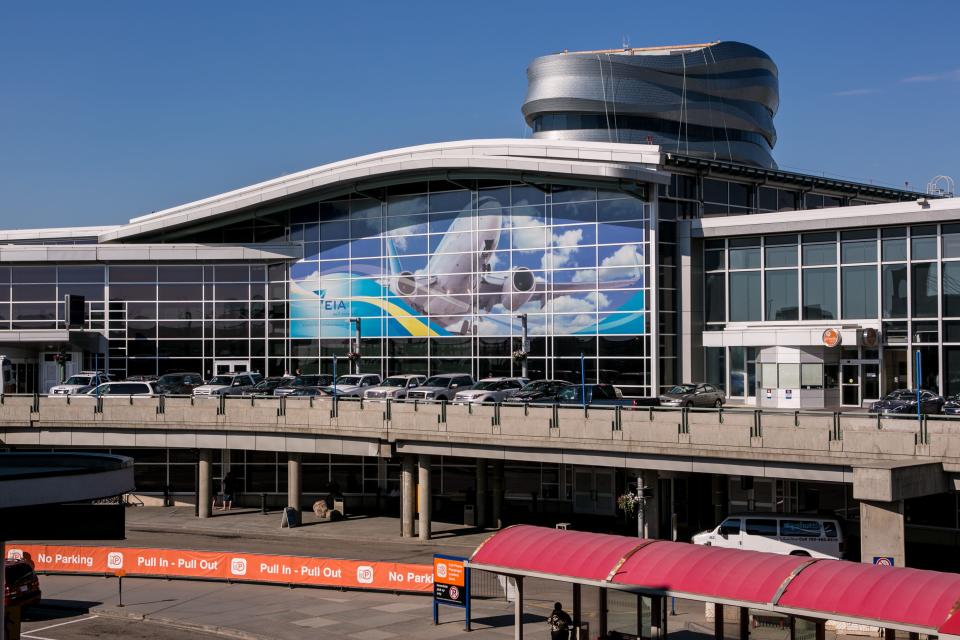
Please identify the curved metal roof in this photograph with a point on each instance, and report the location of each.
(903, 598)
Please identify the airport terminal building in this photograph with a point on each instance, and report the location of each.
(643, 230)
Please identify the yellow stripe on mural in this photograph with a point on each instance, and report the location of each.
(414, 326)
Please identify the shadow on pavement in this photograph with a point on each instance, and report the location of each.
(55, 609)
(506, 620)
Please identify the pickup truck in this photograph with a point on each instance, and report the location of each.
(601, 395)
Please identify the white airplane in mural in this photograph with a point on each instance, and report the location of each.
(461, 281)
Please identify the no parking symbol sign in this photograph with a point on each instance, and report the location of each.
(883, 561)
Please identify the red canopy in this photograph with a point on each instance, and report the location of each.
(854, 590)
(573, 554)
(725, 574)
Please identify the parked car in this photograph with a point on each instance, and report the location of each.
(149, 378)
(228, 384)
(79, 383)
(442, 387)
(788, 534)
(306, 392)
(22, 586)
(904, 401)
(267, 386)
(289, 385)
(951, 405)
(698, 394)
(178, 383)
(353, 385)
(540, 391)
(394, 387)
(491, 390)
(124, 388)
(598, 395)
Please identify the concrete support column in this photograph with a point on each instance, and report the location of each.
(205, 480)
(481, 512)
(426, 497)
(498, 489)
(294, 482)
(656, 618)
(408, 500)
(881, 531)
(518, 610)
(651, 519)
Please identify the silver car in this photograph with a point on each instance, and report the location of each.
(442, 387)
(352, 385)
(394, 387)
(699, 394)
(491, 390)
(230, 384)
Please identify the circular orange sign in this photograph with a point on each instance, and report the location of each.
(831, 337)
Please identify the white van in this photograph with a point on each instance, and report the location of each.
(789, 534)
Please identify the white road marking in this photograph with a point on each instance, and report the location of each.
(27, 635)
(31, 632)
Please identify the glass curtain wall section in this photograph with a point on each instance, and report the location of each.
(438, 274)
(905, 279)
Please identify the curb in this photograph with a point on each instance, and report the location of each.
(226, 632)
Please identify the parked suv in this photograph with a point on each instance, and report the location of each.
(124, 388)
(699, 394)
(394, 387)
(491, 390)
(228, 384)
(21, 587)
(175, 384)
(597, 395)
(301, 382)
(79, 383)
(442, 387)
(353, 385)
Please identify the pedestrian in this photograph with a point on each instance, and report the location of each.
(229, 486)
(559, 623)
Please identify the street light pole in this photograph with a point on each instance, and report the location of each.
(524, 344)
(357, 337)
(641, 507)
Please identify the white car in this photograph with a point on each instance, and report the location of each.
(228, 384)
(788, 534)
(79, 383)
(353, 385)
(394, 387)
(126, 388)
(491, 390)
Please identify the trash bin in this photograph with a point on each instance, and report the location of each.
(469, 515)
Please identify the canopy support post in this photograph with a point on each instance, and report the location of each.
(821, 630)
(745, 623)
(518, 610)
(602, 611)
(889, 634)
(577, 613)
(718, 621)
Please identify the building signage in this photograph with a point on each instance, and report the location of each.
(788, 394)
(883, 561)
(214, 565)
(451, 584)
(831, 337)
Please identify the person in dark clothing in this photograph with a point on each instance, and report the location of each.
(559, 622)
(229, 486)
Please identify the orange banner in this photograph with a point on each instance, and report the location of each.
(217, 565)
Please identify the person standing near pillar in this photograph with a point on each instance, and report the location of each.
(559, 622)
(229, 488)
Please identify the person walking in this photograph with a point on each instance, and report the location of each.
(559, 623)
(229, 486)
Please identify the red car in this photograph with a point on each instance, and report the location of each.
(22, 587)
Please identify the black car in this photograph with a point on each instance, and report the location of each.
(22, 587)
(267, 386)
(904, 401)
(540, 391)
(601, 395)
(301, 382)
(178, 383)
(951, 406)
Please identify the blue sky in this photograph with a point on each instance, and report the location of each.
(111, 109)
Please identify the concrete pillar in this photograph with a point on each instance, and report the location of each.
(881, 531)
(205, 488)
(651, 518)
(718, 621)
(498, 489)
(481, 512)
(294, 482)
(639, 615)
(518, 610)
(426, 497)
(656, 617)
(408, 501)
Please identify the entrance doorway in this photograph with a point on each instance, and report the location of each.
(593, 489)
(859, 381)
(230, 366)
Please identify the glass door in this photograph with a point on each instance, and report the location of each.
(850, 383)
(870, 376)
(231, 366)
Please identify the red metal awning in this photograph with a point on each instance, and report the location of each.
(711, 572)
(571, 554)
(865, 592)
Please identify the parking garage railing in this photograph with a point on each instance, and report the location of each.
(935, 436)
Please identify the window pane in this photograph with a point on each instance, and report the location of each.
(894, 243)
(858, 246)
(951, 241)
(819, 294)
(819, 254)
(768, 375)
(800, 528)
(745, 296)
(925, 290)
(781, 256)
(789, 375)
(951, 362)
(811, 375)
(715, 299)
(781, 293)
(859, 292)
(761, 527)
(923, 242)
(713, 260)
(895, 291)
(745, 258)
(951, 289)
